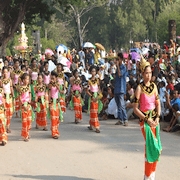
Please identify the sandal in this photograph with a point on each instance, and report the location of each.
(97, 131)
(90, 128)
(55, 137)
(8, 131)
(26, 140)
(45, 129)
(3, 143)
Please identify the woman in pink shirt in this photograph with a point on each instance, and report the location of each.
(147, 107)
(26, 109)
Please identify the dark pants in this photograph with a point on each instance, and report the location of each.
(122, 114)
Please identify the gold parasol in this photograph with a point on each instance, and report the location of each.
(100, 46)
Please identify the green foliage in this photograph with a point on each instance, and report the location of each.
(112, 23)
(47, 44)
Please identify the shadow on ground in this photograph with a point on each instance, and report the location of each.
(49, 177)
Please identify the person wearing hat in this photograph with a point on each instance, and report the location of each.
(147, 107)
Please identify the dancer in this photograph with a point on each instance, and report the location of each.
(9, 95)
(3, 133)
(41, 120)
(61, 81)
(55, 109)
(147, 108)
(95, 104)
(46, 74)
(26, 109)
(76, 100)
(34, 75)
(15, 75)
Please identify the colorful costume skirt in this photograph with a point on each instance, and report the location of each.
(54, 115)
(3, 133)
(26, 120)
(77, 107)
(41, 119)
(9, 110)
(94, 122)
(153, 147)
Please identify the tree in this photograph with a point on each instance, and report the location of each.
(77, 10)
(16, 11)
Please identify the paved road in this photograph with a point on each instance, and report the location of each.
(117, 153)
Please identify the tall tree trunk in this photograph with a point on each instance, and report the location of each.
(78, 20)
(3, 47)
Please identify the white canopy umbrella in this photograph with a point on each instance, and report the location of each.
(88, 45)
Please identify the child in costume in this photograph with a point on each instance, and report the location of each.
(3, 133)
(26, 109)
(34, 75)
(54, 106)
(76, 101)
(95, 103)
(46, 74)
(9, 95)
(15, 75)
(41, 120)
(61, 81)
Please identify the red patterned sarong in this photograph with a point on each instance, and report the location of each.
(26, 121)
(3, 134)
(94, 122)
(9, 111)
(54, 113)
(63, 104)
(17, 104)
(77, 107)
(41, 120)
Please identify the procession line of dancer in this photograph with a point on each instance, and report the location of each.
(29, 93)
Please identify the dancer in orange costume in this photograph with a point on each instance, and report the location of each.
(15, 75)
(61, 81)
(95, 103)
(3, 133)
(26, 109)
(34, 75)
(55, 109)
(9, 95)
(41, 120)
(76, 101)
(147, 108)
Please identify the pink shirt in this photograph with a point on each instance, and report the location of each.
(54, 92)
(76, 87)
(39, 94)
(46, 79)
(25, 97)
(94, 88)
(6, 88)
(147, 102)
(34, 76)
(16, 78)
(61, 81)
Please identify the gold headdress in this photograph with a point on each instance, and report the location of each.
(143, 64)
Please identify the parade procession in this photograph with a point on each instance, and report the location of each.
(90, 85)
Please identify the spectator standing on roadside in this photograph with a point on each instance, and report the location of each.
(120, 90)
